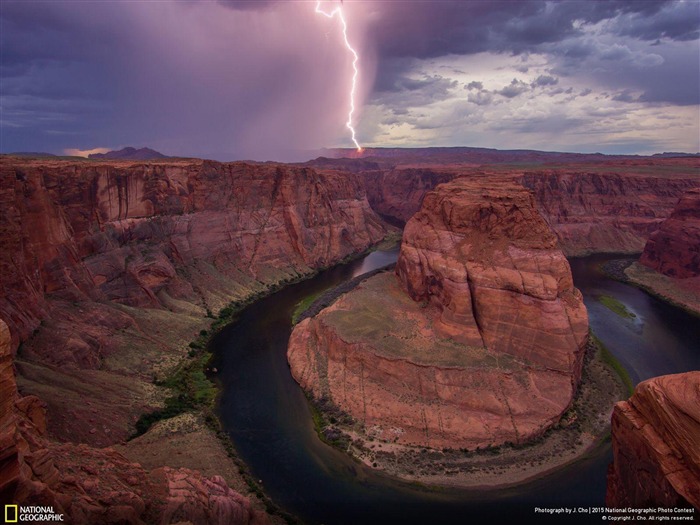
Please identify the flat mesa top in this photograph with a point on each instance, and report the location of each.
(379, 314)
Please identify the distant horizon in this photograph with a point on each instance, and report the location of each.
(308, 155)
(271, 80)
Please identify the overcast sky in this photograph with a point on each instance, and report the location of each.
(230, 80)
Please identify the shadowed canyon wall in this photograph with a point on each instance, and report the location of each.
(108, 270)
(112, 266)
(89, 485)
(674, 249)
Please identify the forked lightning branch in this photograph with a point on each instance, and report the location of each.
(355, 58)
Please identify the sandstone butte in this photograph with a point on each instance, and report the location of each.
(108, 270)
(477, 340)
(674, 249)
(656, 445)
(593, 207)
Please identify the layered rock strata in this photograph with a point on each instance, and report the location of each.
(89, 485)
(146, 234)
(606, 206)
(674, 249)
(398, 193)
(613, 211)
(656, 445)
(109, 268)
(477, 340)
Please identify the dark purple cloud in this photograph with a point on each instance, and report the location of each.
(192, 78)
(425, 29)
(237, 79)
(514, 89)
(545, 80)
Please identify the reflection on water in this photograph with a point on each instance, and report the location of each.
(268, 419)
(375, 260)
(660, 339)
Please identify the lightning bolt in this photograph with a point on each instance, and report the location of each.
(355, 58)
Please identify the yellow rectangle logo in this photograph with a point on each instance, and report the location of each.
(11, 512)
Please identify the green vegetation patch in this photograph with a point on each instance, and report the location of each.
(616, 306)
(192, 389)
(302, 306)
(328, 420)
(610, 360)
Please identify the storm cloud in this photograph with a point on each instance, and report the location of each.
(270, 79)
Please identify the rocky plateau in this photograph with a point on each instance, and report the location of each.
(109, 268)
(597, 206)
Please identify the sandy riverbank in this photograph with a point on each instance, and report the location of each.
(684, 293)
(582, 428)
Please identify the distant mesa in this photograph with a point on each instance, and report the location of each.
(671, 154)
(129, 153)
(31, 154)
(470, 155)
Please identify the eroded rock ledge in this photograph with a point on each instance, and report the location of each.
(476, 341)
(91, 485)
(656, 445)
(108, 269)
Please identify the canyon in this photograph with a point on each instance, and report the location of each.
(609, 206)
(669, 266)
(110, 268)
(99, 485)
(478, 339)
(674, 249)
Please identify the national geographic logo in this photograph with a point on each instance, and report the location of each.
(11, 512)
(17, 514)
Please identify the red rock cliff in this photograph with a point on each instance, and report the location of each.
(614, 211)
(612, 206)
(110, 267)
(398, 193)
(125, 232)
(477, 343)
(656, 445)
(89, 485)
(674, 249)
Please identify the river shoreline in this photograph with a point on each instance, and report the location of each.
(681, 293)
(267, 416)
(582, 429)
(192, 435)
